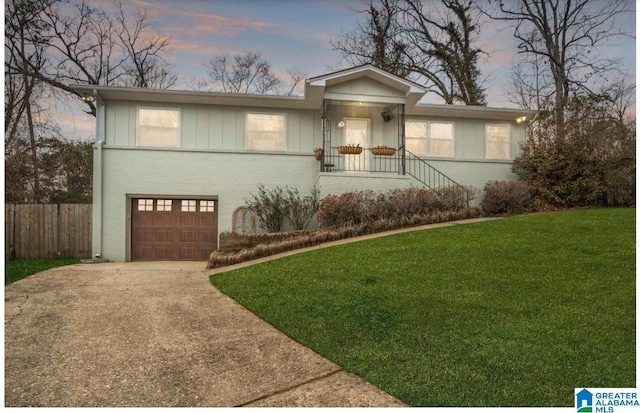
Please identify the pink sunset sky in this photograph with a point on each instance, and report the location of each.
(294, 35)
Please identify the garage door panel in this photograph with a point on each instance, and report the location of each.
(173, 229)
(187, 236)
(166, 219)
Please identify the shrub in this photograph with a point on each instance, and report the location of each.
(272, 207)
(301, 209)
(588, 161)
(367, 206)
(507, 197)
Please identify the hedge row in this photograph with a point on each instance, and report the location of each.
(320, 236)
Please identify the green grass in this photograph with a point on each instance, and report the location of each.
(513, 312)
(15, 270)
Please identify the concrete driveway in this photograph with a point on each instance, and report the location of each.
(157, 334)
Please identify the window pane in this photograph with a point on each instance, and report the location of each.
(158, 127)
(416, 137)
(164, 205)
(442, 131)
(188, 205)
(416, 130)
(441, 137)
(442, 147)
(145, 204)
(417, 146)
(265, 131)
(207, 206)
(497, 141)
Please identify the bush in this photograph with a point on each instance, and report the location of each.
(300, 209)
(352, 208)
(589, 161)
(272, 207)
(507, 197)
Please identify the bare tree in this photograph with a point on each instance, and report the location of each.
(295, 79)
(436, 44)
(86, 45)
(23, 50)
(378, 40)
(566, 34)
(442, 49)
(50, 44)
(244, 73)
(144, 65)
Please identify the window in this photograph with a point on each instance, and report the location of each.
(416, 137)
(207, 206)
(158, 127)
(164, 205)
(497, 138)
(438, 142)
(265, 131)
(188, 205)
(441, 139)
(145, 204)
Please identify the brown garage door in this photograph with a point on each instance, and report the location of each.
(173, 229)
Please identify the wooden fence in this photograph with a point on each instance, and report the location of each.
(47, 231)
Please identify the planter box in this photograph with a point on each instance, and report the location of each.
(350, 150)
(383, 151)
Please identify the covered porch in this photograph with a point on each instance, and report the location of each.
(363, 137)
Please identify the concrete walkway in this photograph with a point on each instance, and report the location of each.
(159, 334)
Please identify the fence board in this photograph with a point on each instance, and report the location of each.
(47, 231)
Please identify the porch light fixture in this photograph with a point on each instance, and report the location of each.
(521, 119)
(341, 124)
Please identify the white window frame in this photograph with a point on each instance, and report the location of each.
(426, 135)
(145, 204)
(284, 130)
(486, 140)
(188, 205)
(430, 139)
(178, 131)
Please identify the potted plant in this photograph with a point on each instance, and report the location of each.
(351, 149)
(318, 152)
(387, 114)
(383, 150)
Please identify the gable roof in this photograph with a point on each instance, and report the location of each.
(413, 92)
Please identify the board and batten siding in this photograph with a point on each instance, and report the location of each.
(214, 127)
(364, 86)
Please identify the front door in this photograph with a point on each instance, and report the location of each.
(356, 132)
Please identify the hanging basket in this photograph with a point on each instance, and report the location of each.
(318, 154)
(383, 151)
(387, 115)
(350, 150)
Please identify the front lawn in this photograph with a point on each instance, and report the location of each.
(16, 270)
(514, 312)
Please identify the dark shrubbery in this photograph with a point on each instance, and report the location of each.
(507, 197)
(590, 161)
(367, 206)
